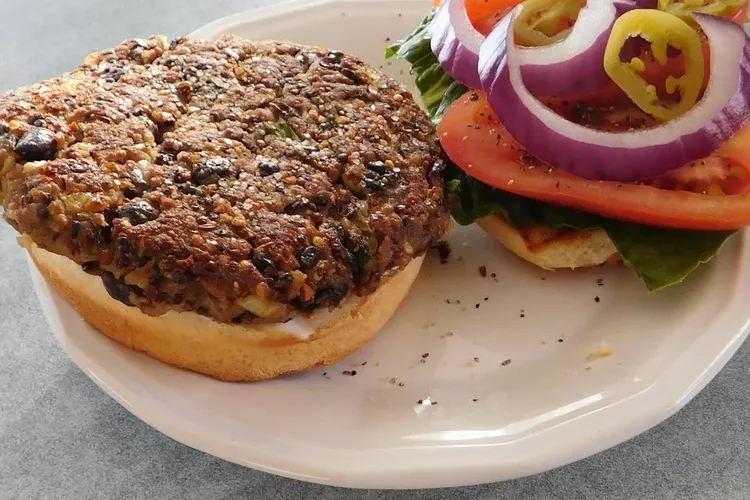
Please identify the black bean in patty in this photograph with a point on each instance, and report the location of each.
(309, 258)
(116, 288)
(212, 170)
(138, 212)
(37, 144)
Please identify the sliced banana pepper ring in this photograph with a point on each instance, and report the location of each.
(542, 22)
(662, 30)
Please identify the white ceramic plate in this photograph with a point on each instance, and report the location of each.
(515, 367)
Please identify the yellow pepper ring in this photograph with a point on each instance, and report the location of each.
(661, 30)
(539, 22)
(684, 9)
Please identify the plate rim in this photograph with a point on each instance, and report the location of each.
(470, 465)
(467, 464)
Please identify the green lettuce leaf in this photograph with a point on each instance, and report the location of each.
(661, 257)
(437, 88)
(283, 130)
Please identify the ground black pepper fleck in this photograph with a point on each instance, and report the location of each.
(483, 271)
(506, 362)
(474, 96)
(600, 282)
(425, 355)
(476, 360)
(476, 305)
(351, 373)
(475, 400)
(597, 299)
(486, 299)
(523, 315)
(401, 384)
(423, 361)
(560, 340)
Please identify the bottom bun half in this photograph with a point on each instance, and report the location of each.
(225, 351)
(549, 248)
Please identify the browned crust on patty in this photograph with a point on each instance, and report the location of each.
(194, 175)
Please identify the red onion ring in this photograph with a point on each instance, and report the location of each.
(564, 69)
(573, 66)
(456, 42)
(626, 156)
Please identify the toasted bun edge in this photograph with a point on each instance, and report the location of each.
(225, 351)
(549, 249)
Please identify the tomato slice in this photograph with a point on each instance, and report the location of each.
(483, 9)
(740, 17)
(484, 14)
(480, 11)
(709, 194)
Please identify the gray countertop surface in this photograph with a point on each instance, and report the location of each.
(61, 437)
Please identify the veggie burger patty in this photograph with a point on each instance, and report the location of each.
(239, 180)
